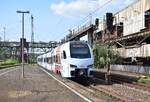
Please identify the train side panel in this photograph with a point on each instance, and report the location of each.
(65, 60)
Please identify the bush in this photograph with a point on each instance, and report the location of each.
(101, 58)
(9, 62)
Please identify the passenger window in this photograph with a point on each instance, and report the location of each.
(64, 55)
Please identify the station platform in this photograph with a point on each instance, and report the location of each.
(36, 86)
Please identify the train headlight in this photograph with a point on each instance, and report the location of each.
(73, 66)
(90, 66)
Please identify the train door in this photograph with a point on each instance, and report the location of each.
(64, 64)
(52, 61)
(57, 61)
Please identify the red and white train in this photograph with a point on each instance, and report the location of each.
(72, 59)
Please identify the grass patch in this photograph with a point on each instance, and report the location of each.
(8, 62)
(145, 80)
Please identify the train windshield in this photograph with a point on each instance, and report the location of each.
(79, 50)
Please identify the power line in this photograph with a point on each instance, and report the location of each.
(107, 2)
(90, 14)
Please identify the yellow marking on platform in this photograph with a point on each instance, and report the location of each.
(17, 94)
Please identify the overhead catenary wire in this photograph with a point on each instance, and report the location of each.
(97, 9)
(89, 18)
(86, 18)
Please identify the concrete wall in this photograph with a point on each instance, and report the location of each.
(131, 68)
(142, 51)
(132, 17)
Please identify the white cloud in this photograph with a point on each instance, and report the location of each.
(84, 7)
(75, 8)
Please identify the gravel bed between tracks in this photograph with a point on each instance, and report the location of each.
(125, 93)
(132, 94)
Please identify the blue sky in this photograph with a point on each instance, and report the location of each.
(52, 18)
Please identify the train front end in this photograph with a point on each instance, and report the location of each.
(81, 60)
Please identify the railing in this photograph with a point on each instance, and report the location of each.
(35, 44)
(79, 30)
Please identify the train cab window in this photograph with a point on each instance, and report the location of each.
(79, 50)
(64, 55)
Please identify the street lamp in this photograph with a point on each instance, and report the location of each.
(23, 12)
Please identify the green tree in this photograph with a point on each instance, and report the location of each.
(101, 55)
(2, 54)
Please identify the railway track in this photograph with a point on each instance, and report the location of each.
(125, 80)
(138, 86)
(133, 91)
(132, 84)
(88, 91)
(98, 91)
(126, 92)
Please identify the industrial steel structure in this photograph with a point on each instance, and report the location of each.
(129, 31)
